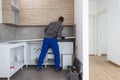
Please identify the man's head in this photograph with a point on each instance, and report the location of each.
(61, 19)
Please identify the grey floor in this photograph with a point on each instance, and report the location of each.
(31, 73)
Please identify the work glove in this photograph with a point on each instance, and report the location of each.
(63, 37)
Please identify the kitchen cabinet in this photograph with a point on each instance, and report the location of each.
(15, 3)
(11, 59)
(66, 60)
(15, 54)
(10, 11)
(33, 51)
(41, 12)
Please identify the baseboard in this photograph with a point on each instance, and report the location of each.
(97, 55)
(91, 54)
(114, 63)
(103, 54)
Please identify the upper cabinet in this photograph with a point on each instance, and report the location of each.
(41, 12)
(10, 11)
(15, 3)
(37, 12)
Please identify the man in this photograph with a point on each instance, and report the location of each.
(53, 31)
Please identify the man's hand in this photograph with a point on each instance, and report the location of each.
(62, 37)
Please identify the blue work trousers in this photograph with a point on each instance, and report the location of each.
(53, 44)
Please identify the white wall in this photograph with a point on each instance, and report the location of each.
(92, 7)
(79, 28)
(81, 21)
(113, 17)
(0, 11)
(92, 27)
(102, 5)
(114, 31)
(85, 41)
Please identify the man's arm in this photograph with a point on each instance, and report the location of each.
(60, 32)
(47, 27)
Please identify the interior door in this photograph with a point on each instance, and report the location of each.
(102, 33)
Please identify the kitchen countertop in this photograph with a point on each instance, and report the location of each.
(33, 40)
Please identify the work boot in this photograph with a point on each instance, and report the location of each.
(38, 68)
(57, 70)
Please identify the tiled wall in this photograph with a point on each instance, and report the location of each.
(38, 32)
(29, 32)
(41, 12)
(7, 33)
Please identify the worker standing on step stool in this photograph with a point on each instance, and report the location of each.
(53, 31)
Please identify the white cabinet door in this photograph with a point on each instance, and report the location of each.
(66, 60)
(4, 61)
(66, 47)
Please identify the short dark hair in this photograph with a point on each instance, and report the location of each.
(61, 19)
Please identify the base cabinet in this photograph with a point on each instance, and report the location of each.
(13, 56)
(11, 59)
(33, 50)
(66, 60)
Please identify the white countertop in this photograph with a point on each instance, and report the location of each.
(29, 40)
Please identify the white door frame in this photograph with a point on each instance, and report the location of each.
(94, 36)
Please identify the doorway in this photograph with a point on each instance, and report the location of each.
(102, 33)
(98, 33)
